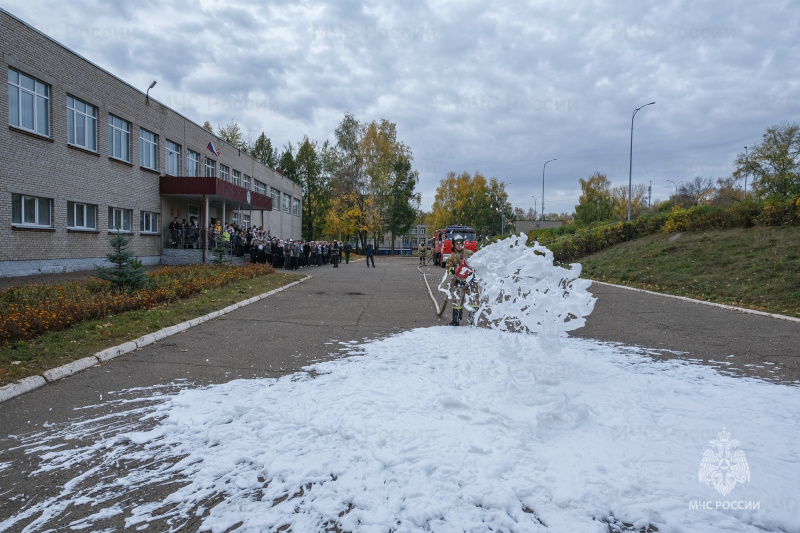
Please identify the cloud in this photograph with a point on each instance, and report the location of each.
(471, 86)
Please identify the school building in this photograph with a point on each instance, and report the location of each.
(86, 155)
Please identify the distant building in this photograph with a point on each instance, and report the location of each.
(407, 243)
(524, 226)
(86, 155)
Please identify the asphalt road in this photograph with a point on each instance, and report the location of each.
(305, 324)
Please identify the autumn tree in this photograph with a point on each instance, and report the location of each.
(207, 126)
(619, 200)
(521, 214)
(473, 201)
(698, 191)
(726, 192)
(380, 153)
(232, 134)
(773, 165)
(595, 202)
(373, 181)
(352, 207)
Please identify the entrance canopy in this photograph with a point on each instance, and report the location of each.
(196, 188)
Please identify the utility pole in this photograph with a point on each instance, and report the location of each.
(649, 194)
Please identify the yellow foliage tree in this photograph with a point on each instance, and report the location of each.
(472, 200)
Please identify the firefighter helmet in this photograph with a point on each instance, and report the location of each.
(457, 238)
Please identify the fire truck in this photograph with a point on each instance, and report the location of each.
(443, 246)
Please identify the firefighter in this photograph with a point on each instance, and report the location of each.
(422, 250)
(462, 283)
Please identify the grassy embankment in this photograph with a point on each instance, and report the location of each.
(31, 357)
(756, 268)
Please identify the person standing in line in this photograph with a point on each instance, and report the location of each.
(347, 249)
(370, 255)
(335, 254)
(173, 231)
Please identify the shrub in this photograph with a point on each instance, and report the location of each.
(571, 242)
(27, 312)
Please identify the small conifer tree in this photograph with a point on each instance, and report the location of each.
(127, 272)
(221, 252)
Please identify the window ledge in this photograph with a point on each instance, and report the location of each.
(123, 232)
(31, 134)
(81, 149)
(118, 160)
(20, 227)
(150, 170)
(79, 230)
(148, 234)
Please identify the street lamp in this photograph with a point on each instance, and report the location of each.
(630, 168)
(147, 94)
(676, 191)
(746, 171)
(545, 166)
(535, 199)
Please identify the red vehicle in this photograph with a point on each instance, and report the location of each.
(443, 246)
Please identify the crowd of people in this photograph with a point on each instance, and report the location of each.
(261, 246)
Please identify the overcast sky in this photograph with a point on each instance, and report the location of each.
(472, 86)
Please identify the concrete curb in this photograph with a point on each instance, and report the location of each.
(34, 382)
(21, 387)
(70, 368)
(713, 304)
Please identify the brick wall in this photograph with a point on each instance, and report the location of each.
(49, 167)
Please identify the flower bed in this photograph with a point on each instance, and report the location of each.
(29, 311)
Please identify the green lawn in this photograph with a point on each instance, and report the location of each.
(756, 268)
(27, 358)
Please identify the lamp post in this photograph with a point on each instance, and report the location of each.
(676, 191)
(535, 199)
(545, 166)
(630, 168)
(147, 94)
(746, 171)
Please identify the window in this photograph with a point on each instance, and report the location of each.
(148, 222)
(276, 198)
(237, 177)
(224, 172)
(211, 168)
(81, 216)
(28, 103)
(119, 138)
(422, 231)
(240, 219)
(81, 124)
(260, 187)
(192, 164)
(246, 182)
(413, 231)
(173, 159)
(119, 219)
(148, 149)
(286, 201)
(296, 207)
(31, 210)
(193, 211)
